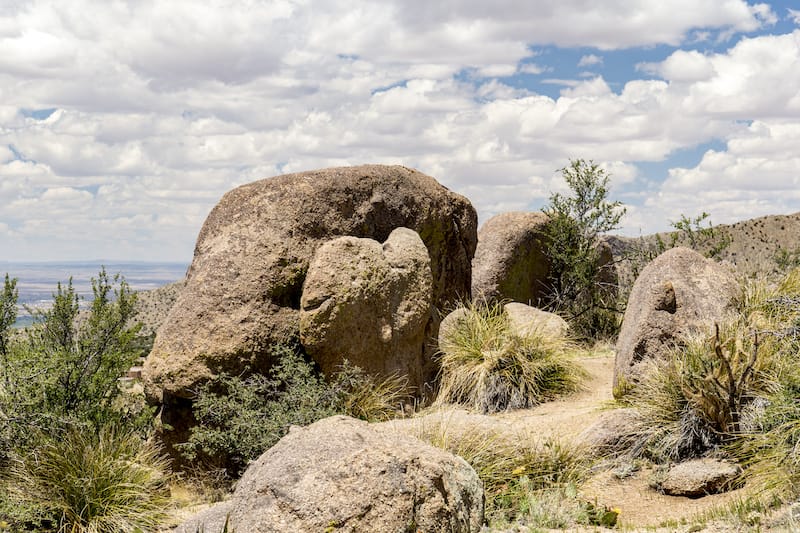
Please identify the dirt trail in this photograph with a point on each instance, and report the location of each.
(565, 419)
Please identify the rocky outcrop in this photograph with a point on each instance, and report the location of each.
(341, 474)
(700, 477)
(370, 304)
(244, 286)
(524, 321)
(680, 292)
(510, 261)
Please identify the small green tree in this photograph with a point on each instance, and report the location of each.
(576, 221)
(64, 369)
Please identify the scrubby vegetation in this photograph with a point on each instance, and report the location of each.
(77, 451)
(733, 394)
(241, 417)
(74, 453)
(577, 285)
(84, 482)
(488, 367)
(529, 482)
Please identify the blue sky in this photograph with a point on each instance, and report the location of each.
(122, 124)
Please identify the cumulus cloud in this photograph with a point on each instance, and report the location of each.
(161, 107)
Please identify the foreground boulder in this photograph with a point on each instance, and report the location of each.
(244, 287)
(510, 261)
(342, 474)
(370, 304)
(679, 293)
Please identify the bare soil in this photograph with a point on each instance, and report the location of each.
(643, 507)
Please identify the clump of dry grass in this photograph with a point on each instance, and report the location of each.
(109, 482)
(487, 367)
(370, 397)
(735, 390)
(511, 469)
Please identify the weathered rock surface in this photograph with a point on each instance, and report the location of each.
(611, 433)
(244, 286)
(680, 292)
(343, 474)
(450, 322)
(370, 304)
(700, 477)
(510, 261)
(525, 321)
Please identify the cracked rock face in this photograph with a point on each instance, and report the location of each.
(370, 304)
(345, 474)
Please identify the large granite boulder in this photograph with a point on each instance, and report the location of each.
(680, 292)
(342, 474)
(244, 287)
(510, 260)
(370, 304)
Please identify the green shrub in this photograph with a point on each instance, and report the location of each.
(486, 367)
(238, 418)
(63, 371)
(575, 282)
(106, 482)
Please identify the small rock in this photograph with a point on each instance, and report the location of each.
(611, 433)
(700, 477)
(525, 320)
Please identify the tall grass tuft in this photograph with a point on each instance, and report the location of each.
(109, 482)
(510, 469)
(487, 367)
(736, 388)
(695, 399)
(368, 397)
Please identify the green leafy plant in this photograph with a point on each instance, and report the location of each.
(692, 232)
(106, 482)
(577, 284)
(239, 417)
(487, 367)
(63, 371)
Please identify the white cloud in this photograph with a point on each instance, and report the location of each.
(794, 15)
(590, 60)
(532, 68)
(163, 106)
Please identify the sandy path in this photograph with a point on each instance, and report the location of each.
(565, 419)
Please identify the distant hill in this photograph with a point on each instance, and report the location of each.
(759, 246)
(152, 307)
